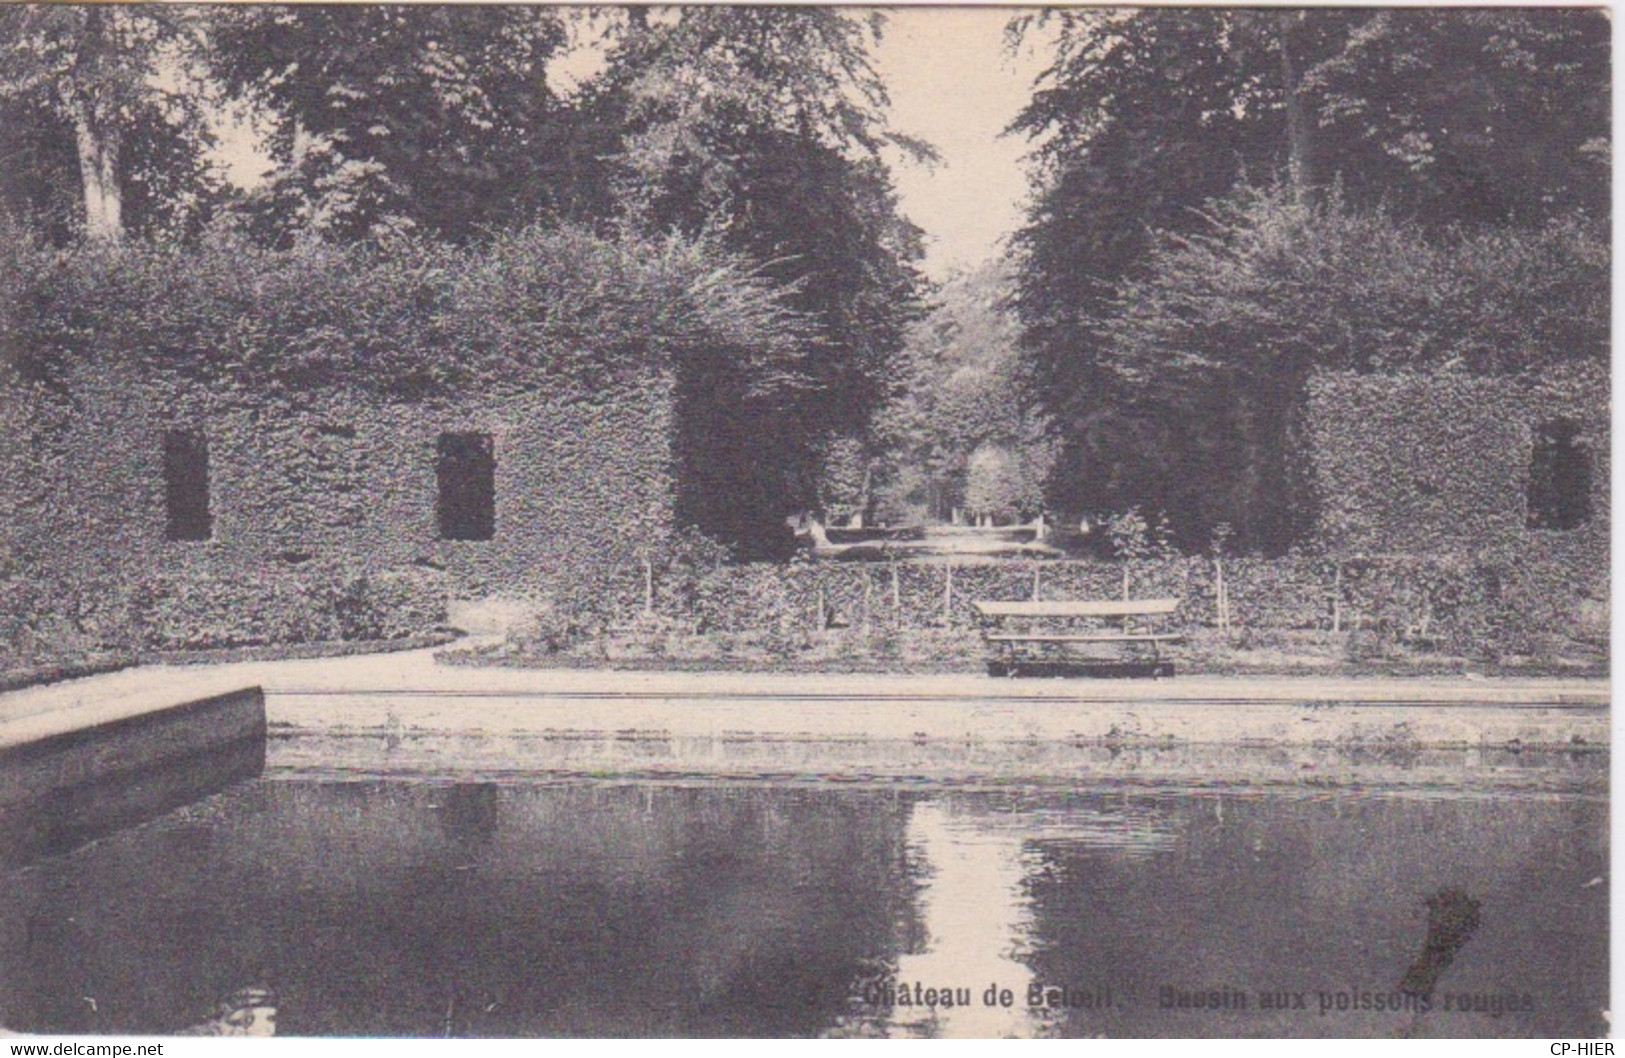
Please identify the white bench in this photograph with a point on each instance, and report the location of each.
(1027, 633)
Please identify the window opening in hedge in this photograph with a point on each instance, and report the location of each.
(1559, 478)
(467, 474)
(186, 486)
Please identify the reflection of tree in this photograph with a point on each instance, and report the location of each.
(1293, 893)
(590, 910)
(625, 910)
(764, 908)
(656, 910)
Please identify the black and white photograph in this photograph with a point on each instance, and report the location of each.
(534, 521)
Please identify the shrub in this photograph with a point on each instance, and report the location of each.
(173, 612)
(1450, 603)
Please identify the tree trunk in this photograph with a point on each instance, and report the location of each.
(98, 170)
(1297, 126)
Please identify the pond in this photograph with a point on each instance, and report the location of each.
(531, 908)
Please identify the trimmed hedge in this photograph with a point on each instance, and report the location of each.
(1440, 463)
(180, 612)
(185, 611)
(1474, 608)
(404, 320)
(320, 378)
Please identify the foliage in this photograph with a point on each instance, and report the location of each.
(885, 615)
(34, 633)
(1270, 286)
(1006, 483)
(583, 487)
(668, 299)
(321, 376)
(1476, 117)
(1130, 535)
(1437, 464)
(1462, 116)
(52, 617)
(408, 319)
(844, 483)
(1140, 116)
(1136, 540)
(765, 125)
(992, 483)
(1219, 338)
(966, 390)
(755, 133)
(179, 613)
(685, 78)
(104, 111)
(386, 118)
(1421, 133)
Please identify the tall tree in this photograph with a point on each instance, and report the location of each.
(1227, 325)
(767, 125)
(1472, 116)
(432, 117)
(1141, 118)
(117, 90)
(1145, 117)
(966, 391)
(804, 71)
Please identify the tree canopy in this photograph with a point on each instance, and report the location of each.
(1271, 286)
(1226, 197)
(758, 131)
(544, 306)
(1220, 336)
(102, 119)
(765, 125)
(965, 432)
(383, 117)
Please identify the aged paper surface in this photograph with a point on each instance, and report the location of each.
(885, 782)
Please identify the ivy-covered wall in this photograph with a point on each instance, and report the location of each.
(309, 492)
(1443, 463)
(320, 381)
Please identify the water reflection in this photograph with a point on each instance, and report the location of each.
(976, 919)
(53, 817)
(1299, 916)
(519, 909)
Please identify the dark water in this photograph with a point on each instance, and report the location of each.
(513, 909)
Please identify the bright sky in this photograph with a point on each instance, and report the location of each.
(954, 85)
